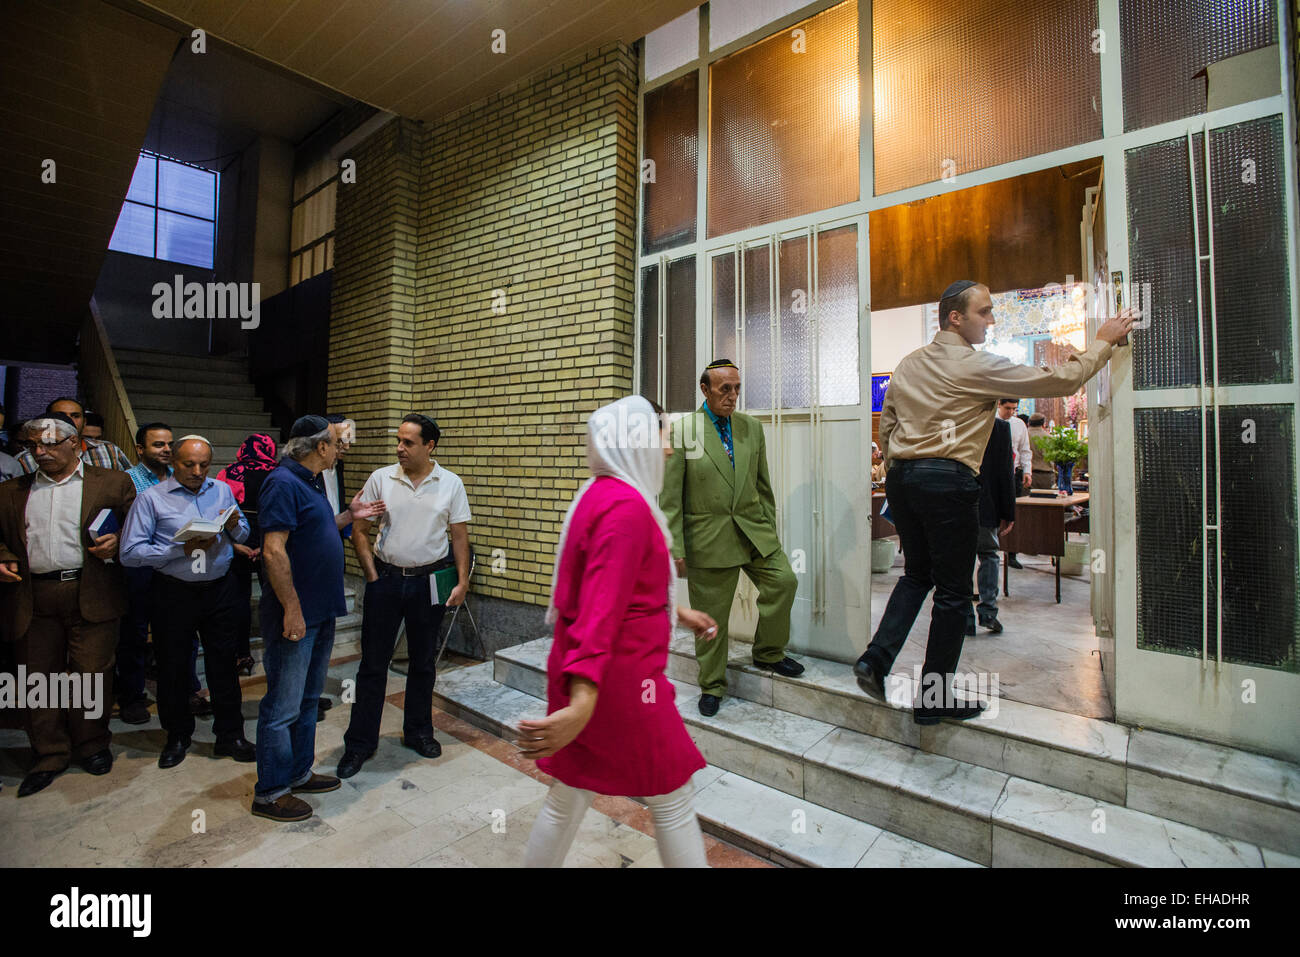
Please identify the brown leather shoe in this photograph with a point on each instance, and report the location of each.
(318, 784)
(285, 809)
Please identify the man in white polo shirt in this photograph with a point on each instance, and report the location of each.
(426, 508)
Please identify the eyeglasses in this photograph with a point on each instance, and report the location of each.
(30, 446)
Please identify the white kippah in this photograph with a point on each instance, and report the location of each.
(192, 435)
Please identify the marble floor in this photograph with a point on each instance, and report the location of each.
(472, 807)
(1047, 654)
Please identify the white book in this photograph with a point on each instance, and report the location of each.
(204, 527)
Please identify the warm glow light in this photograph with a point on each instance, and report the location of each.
(1069, 320)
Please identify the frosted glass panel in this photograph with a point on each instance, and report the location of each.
(837, 316)
(674, 44)
(732, 19)
(965, 86)
(134, 230)
(680, 347)
(756, 304)
(724, 307)
(183, 239)
(671, 140)
(783, 125)
(795, 297)
(185, 189)
(143, 181)
(650, 332)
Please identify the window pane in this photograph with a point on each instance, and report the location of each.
(671, 134)
(134, 230)
(297, 229)
(650, 332)
(732, 19)
(183, 239)
(318, 260)
(143, 182)
(674, 44)
(1252, 280)
(295, 271)
(680, 348)
(186, 189)
(756, 303)
(329, 253)
(795, 296)
(724, 307)
(837, 316)
(965, 86)
(783, 124)
(1168, 44)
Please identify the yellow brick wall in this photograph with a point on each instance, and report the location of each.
(531, 191)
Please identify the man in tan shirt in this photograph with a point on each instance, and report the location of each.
(934, 425)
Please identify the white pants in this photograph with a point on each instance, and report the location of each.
(677, 831)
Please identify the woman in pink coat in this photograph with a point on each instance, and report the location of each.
(612, 725)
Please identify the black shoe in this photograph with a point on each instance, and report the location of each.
(318, 784)
(869, 680)
(992, 624)
(324, 704)
(970, 627)
(137, 712)
(174, 752)
(935, 715)
(101, 762)
(709, 704)
(200, 706)
(284, 809)
(36, 781)
(320, 714)
(351, 762)
(1013, 563)
(787, 667)
(237, 748)
(425, 747)
(244, 665)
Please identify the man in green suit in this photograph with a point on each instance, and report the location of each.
(720, 509)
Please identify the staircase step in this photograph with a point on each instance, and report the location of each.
(207, 418)
(139, 389)
(197, 371)
(170, 360)
(755, 816)
(168, 406)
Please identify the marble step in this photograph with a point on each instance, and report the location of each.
(768, 821)
(932, 798)
(1213, 787)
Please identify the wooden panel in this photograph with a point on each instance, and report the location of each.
(1018, 233)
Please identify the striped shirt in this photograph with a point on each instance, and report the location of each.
(105, 455)
(143, 477)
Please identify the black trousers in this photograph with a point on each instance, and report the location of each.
(179, 610)
(389, 599)
(133, 638)
(935, 508)
(242, 570)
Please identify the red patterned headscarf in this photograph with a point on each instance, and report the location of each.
(257, 454)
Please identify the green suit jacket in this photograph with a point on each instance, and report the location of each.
(718, 515)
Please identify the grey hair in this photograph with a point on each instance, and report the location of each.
(302, 446)
(43, 425)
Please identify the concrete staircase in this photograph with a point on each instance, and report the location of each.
(811, 771)
(208, 395)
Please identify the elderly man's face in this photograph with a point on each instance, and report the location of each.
(53, 455)
(344, 435)
(72, 411)
(190, 463)
(723, 391)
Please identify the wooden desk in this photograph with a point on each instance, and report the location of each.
(880, 527)
(1041, 525)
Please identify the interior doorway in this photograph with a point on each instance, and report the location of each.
(1038, 241)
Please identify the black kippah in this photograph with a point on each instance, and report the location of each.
(960, 286)
(721, 364)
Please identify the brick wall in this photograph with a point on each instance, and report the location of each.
(531, 191)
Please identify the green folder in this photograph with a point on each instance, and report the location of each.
(444, 581)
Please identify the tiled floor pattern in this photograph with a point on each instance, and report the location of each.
(472, 807)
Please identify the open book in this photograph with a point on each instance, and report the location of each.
(204, 527)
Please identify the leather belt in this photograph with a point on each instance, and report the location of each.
(398, 571)
(942, 465)
(66, 575)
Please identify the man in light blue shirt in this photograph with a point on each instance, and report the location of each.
(192, 591)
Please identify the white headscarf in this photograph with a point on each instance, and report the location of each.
(623, 442)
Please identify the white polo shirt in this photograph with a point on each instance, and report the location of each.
(413, 528)
(54, 523)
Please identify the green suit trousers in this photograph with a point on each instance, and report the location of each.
(712, 591)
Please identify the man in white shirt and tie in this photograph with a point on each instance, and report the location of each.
(426, 508)
(1022, 454)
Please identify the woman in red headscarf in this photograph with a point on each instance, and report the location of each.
(253, 463)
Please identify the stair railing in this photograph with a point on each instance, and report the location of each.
(101, 383)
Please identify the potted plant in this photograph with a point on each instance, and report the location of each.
(1062, 447)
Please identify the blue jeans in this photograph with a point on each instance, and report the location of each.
(986, 577)
(286, 718)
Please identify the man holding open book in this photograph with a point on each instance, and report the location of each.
(182, 528)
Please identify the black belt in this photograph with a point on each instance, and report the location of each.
(66, 575)
(385, 569)
(939, 465)
(173, 580)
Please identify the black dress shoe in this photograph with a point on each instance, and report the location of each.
(869, 680)
(137, 712)
(174, 753)
(935, 715)
(324, 704)
(992, 624)
(36, 781)
(1013, 562)
(425, 747)
(237, 748)
(351, 763)
(709, 705)
(787, 667)
(101, 762)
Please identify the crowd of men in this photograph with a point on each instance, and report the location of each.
(105, 564)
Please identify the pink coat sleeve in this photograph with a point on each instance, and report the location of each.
(615, 552)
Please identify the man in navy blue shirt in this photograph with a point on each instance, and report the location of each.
(303, 558)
